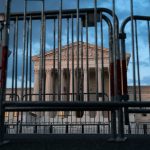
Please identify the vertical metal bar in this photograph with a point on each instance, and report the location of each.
(118, 76)
(16, 67)
(137, 57)
(59, 50)
(26, 61)
(54, 59)
(4, 54)
(87, 95)
(96, 49)
(44, 57)
(58, 78)
(87, 57)
(30, 66)
(23, 59)
(43, 50)
(13, 61)
(72, 57)
(77, 70)
(13, 65)
(113, 113)
(114, 49)
(124, 77)
(68, 62)
(42, 73)
(111, 70)
(16, 57)
(40, 65)
(43, 53)
(102, 63)
(102, 58)
(133, 50)
(24, 45)
(68, 48)
(82, 72)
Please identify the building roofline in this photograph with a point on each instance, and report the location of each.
(66, 46)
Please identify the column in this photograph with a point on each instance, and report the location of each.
(49, 91)
(61, 113)
(86, 113)
(36, 89)
(99, 113)
(36, 85)
(49, 85)
(72, 80)
(85, 85)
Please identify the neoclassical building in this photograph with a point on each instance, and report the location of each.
(76, 70)
(77, 74)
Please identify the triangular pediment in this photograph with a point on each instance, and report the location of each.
(71, 51)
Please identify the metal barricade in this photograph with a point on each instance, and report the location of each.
(62, 79)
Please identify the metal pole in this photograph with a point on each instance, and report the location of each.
(59, 50)
(87, 56)
(16, 55)
(118, 83)
(30, 76)
(77, 68)
(68, 48)
(137, 57)
(24, 48)
(133, 50)
(42, 73)
(54, 59)
(72, 39)
(114, 73)
(26, 60)
(13, 61)
(96, 49)
(4, 56)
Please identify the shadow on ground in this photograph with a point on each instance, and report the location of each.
(75, 142)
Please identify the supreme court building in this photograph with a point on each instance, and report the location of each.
(81, 72)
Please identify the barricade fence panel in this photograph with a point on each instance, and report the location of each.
(74, 71)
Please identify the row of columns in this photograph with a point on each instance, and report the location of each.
(50, 80)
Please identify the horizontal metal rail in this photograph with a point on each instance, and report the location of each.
(58, 124)
(54, 14)
(70, 106)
